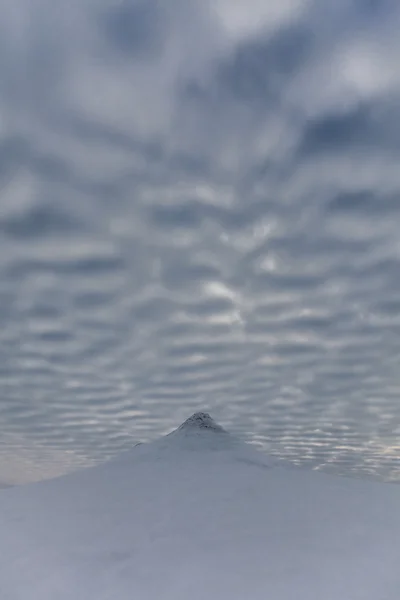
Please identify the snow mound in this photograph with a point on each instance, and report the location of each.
(193, 516)
(194, 440)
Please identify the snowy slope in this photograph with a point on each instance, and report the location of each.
(198, 515)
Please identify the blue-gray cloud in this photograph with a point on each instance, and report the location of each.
(199, 210)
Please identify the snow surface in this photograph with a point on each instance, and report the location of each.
(199, 515)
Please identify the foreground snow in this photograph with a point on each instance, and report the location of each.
(198, 515)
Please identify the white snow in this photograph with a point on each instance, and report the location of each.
(199, 515)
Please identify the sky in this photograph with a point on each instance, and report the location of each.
(199, 210)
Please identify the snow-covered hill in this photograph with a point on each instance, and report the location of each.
(198, 515)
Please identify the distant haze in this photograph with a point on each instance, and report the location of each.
(199, 210)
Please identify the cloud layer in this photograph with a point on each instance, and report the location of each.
(199, 209)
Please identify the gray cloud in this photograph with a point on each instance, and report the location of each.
(199, 210)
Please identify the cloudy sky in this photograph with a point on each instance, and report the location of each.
(199, 209)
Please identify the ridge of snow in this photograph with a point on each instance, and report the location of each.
(188, 517)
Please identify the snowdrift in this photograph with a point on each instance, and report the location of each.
(199, 515)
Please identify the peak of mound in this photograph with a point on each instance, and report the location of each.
(199, 421)
(199, 431)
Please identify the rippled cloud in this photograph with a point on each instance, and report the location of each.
(199, 209)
